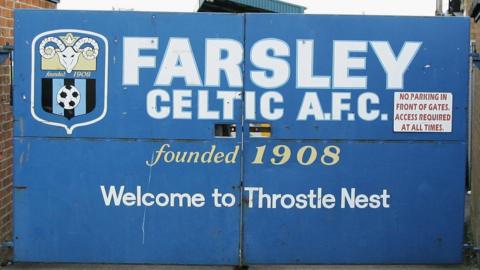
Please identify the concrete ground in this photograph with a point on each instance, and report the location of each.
(42, 266)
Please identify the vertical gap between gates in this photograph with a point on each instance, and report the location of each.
(242, 141)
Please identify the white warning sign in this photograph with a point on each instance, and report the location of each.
(422, 112)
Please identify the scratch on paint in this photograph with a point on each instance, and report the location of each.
(21, 125)
(145, 207)
(27, 155)
(21, 158)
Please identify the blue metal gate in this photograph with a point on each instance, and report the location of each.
(68, 179)
(239, 139)
(377, 195)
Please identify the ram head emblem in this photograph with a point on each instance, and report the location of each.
(68, 49)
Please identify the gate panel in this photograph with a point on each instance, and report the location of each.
(64, 212)
(413, 226)
(382, 186)
(130, 130)
(351, 169)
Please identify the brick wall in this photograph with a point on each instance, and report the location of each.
(6, 119)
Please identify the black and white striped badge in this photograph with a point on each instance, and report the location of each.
(68, 97)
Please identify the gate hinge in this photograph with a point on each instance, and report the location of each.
(475, 56)
(5, 51)
(475, 59)
(6, 244)
(471, 248)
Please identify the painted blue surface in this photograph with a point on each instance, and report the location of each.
(60, 215)
(162, 25)
(422, 225)
(432, 70)
(425, 172)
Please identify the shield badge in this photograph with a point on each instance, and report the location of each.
(69, 78)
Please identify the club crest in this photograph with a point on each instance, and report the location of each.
(69, 78)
